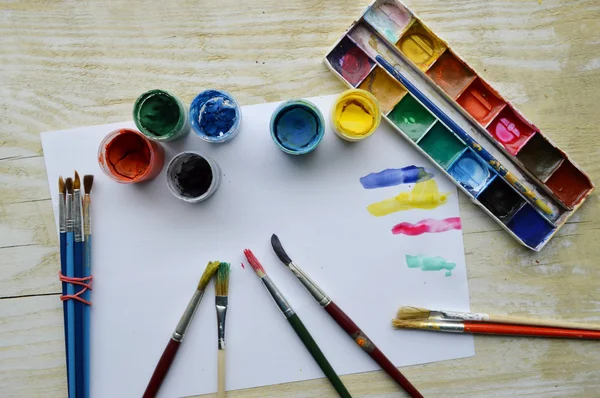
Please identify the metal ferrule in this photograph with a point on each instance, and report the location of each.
(77, 224)
(453, 327)
(62, 219)
(69, 213)
(311, 286)
(87, 219)
(278, 297)
(187, 316)
(221, 304)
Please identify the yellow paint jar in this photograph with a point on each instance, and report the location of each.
(355, 115)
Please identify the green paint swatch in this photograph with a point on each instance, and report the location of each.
(430, 263)
(442, 145)
(411, 117)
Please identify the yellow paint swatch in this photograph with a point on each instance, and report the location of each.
(425, 195)
(421, 45)
(355, 115)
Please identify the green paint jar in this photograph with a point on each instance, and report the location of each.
(160, 116)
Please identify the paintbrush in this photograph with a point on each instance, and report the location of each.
(496, 329)
(221, 292)
(70, 288)
(344, 320)
(463, 135)
(297, 325)
(164, 363)
(415, 313)
(78, 273)
(88, 181)
(62, 228)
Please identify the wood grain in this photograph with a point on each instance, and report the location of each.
(72, 63)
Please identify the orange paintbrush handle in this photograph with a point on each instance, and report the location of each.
(521, 330)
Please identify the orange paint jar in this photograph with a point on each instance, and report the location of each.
(128, 157)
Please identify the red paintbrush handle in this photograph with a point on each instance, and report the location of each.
(162, 367)
(370, 348)
(522, 330)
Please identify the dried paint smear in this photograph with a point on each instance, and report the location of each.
(393, 177)
(427, 226)
(430, 263)
(425, 195)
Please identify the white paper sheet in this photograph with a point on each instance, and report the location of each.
(150, 250)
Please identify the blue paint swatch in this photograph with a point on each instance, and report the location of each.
(471, 172)
(393, 177)
(530, 226)
(297, 127)
(215, 116)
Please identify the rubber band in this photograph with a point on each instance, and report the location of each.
(79, 282)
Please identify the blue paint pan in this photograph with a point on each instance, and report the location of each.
(297, 127)
(215, 116)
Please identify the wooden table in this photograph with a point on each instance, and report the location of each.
(72, 63)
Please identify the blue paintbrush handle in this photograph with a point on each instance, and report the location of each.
(87, 271)
(78, 253)
(63, 270)
(70, 316)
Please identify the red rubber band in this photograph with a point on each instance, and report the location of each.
(79, 282)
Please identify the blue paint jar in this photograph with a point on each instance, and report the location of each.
(215, 116)
(297, 127)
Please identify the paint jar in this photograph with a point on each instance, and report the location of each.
(355, 115)
(193, 177)
(161, 116)
(297, 127)
(128, 157)
(215, 116)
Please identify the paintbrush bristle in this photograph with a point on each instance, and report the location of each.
(76, 181)
(278, 248)
(210, 270)
(409, 324)
(406, 313)
(69, 185)
(222, 280)
(61, 186)
(254, 263)
(88, 181)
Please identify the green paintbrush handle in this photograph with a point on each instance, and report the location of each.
(318, 355)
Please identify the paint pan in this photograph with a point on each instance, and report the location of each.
(384, 87)
(569, 184)
(411, 117)
(390, 18)
(215, 116)
(193, 177)
(421, 46)
(530, 226)
(510, 130)
(370, 43)
(352, 63)
(501, 199)
(471, 172)
(160, 116)
(451, 74)
(540, 157)
(297, 127)
(128, 157)
(442, 145)
(481, 102)
(355, 115)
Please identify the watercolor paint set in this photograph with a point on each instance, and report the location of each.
(449, 113)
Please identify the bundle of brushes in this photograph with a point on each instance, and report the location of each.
(481, 323)
(221, 291)
(75, 275)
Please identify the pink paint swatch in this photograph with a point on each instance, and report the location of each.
(427, 226)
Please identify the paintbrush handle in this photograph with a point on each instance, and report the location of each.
(87, 271)
(221, 374)
(518, 320)
(317, 354)
(370, 348)
(533, 331)
(63, 270)
(70, 289)
(79, 323)
(162, 367)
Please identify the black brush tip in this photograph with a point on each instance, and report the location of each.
(276, 243)
(88, 181)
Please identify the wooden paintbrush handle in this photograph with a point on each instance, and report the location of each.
(370, 348)
(221, 375)
(318, 355)
(162, 367)
(533, 331)
(521, 320)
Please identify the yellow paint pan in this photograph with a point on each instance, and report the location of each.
(355, 115)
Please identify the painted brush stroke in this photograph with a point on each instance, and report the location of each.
(430, 263)
(427, 226)
(425, 195)
(392, 177)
